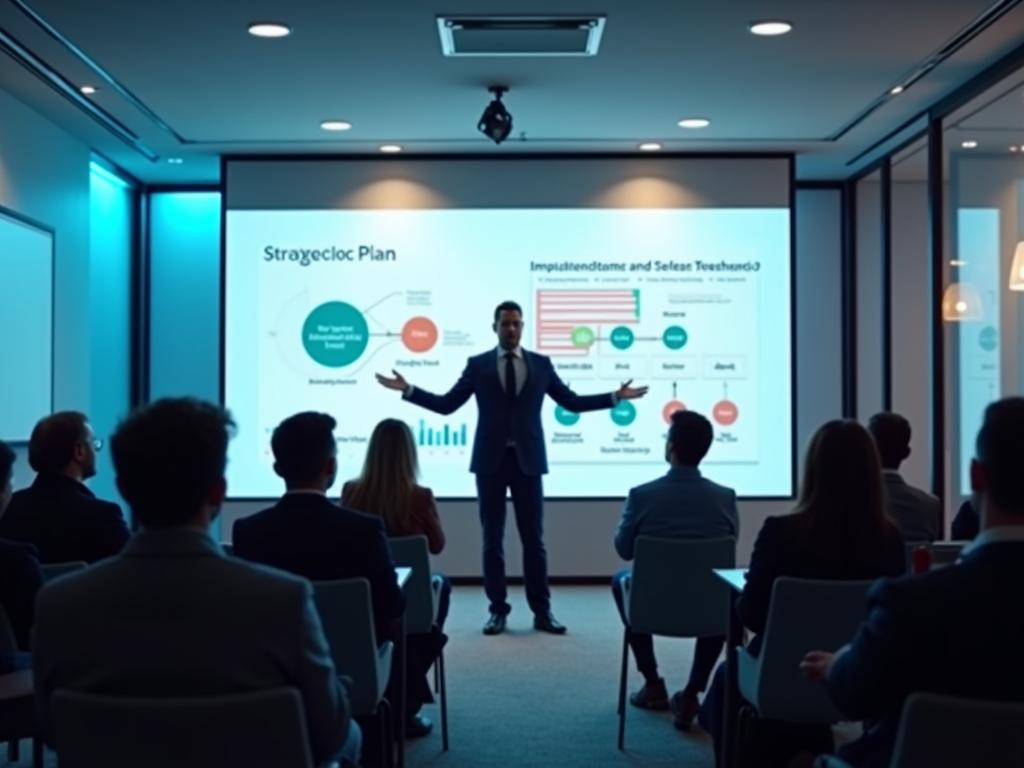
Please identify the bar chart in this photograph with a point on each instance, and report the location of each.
(444, 437)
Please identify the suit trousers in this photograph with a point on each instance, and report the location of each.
(528, 502)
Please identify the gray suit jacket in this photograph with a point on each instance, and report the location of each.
(170, 616)
(680, 505)
(917, 514)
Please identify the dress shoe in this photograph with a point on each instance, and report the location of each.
(685, 707)
(653, 695)
(546, 622)
(417, 726)
(496, 624)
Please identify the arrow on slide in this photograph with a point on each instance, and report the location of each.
(725, 388)
(673, 390)
(388, 333)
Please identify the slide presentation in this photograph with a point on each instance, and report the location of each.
(694, 303)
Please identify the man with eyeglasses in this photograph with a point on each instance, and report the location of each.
(57, 514)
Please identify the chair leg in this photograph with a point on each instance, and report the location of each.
(37, 752)
(439, 668)
(437, 676)
(14, 750)
(622, 688)
(387, 733)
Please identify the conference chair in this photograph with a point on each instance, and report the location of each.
(263, 729)
(422, 593)
(946, 552)
(804, 615)
(674, 593)
(56, 570)
(17, 716)
(346, 614)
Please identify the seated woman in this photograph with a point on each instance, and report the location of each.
(838, 531)
(387, 487)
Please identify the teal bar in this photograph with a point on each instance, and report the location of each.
(464, 435)
(446, 434)
(421, 432)
(430, 437)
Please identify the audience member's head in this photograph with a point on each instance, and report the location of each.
(891, 433)
(689, 439)
(841, 496)
(305, 451)
(997, 472)
(7, 459)
(63, 443)
(389, 475)
(170, 458)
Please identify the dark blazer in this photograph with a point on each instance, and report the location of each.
(780, 551)
(499, 422)
(20, 581)
(966, 524)
(64, 521)
(954, 631)
(423, 517)
(308, 535)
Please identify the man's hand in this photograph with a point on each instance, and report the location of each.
(816, 665)
(398, 382)
(626, 392)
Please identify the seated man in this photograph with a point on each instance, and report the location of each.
(20, 578)
(916, 513)
(172, 616)
(966, 524)
(58, 515)
(680, 505)
(937, 632)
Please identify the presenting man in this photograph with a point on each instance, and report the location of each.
(509, 454)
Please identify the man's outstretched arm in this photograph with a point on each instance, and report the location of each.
(444, 404)
(565, 397)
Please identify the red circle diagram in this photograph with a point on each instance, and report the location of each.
(725, 412)
(419, 334)
(671, 407)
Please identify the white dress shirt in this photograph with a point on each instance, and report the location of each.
(994, 536)
(518, 365)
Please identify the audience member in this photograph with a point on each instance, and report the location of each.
(20, 578)
(680, 505)
(172, 616)
(937, 632)
(916, 513)
(57, 514)
(838, 531)
(966, 524)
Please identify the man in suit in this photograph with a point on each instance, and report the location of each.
(57, 514)
(916, 513)
(937, 632)
(172, 616)
(509, 455)
(680, 505)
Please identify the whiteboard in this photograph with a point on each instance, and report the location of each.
(26, 326)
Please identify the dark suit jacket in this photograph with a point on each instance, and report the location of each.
(20, 581)
(780, 551)
(423, 517)
(956, 631)
(917, 514)
(307, 534)
(498, 421)
(966, 524)
(64, 521)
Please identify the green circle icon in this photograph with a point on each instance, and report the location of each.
(335, 334)
(675, 337)
(624, 413)
(622, 337)
(566, 418)
(582, 336)
(989, 338)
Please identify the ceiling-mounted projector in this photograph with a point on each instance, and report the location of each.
(496, 121)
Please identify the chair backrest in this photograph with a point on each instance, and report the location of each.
(945, 732)
(264, 729)
(420, 610)
(805, 615)
(52, 571)
(674, 591)
(8, 642)
(945, 552)
(346, 614)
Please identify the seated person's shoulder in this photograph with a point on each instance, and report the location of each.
(10, 549)
(423, 492)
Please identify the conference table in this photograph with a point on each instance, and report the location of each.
(403, 574)
(736, 578)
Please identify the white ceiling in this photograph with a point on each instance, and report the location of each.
(379, 65)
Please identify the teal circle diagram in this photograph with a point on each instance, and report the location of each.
(988, 339)
(675, 337)
(335, 334)
(622, 337)
(565, 417)
(624, 413)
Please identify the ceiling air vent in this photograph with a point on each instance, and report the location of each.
(578, 35)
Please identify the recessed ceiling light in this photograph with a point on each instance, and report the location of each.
(896, 90)
(694, 122)
(175, 160)
(1013, 149)
(269, 29)
(88, 90)
(770, 28)
(969, 144)
(650, 146)
(390, 148)
(335, 125)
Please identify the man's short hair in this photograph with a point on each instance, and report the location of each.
(690, 436)
(302, 446)
(1000, 450)
(54, 439)
(7, 459)
(891, 433)
(506, 306)
(168, 456)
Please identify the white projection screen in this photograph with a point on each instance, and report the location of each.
(673, 272)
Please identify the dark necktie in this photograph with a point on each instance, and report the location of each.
(510, 377)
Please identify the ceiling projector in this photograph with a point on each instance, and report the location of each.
(496, 121)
